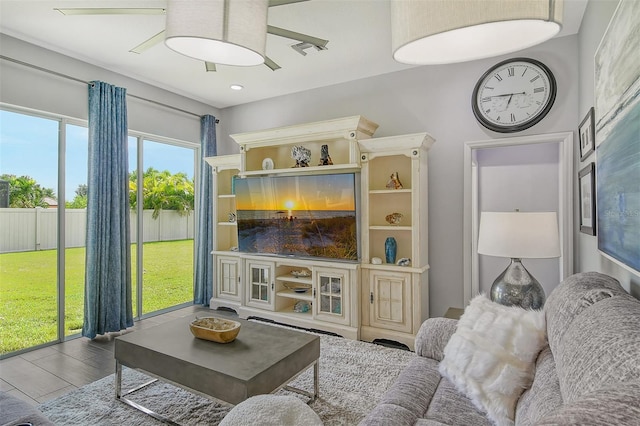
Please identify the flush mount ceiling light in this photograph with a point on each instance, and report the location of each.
(450, 31)
(218, 31)
(236, 87)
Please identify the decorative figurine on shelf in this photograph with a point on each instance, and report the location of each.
(390, 250)
(394, 181)
(302, 156)
(403, 261)
(325, 158)
(301, 306)
(232, 217)
(394, 218)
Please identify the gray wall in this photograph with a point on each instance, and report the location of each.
(29, 88)
(594, 24)
(435, 99)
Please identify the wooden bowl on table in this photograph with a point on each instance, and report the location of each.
(215, 329)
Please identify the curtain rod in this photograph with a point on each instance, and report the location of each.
(68, 77)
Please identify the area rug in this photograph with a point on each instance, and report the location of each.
(353, 376)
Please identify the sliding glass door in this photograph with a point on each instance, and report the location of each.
(28, 230)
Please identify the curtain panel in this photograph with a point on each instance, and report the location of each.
(203, 271)
(107, 303)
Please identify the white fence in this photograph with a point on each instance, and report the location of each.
(37, 229)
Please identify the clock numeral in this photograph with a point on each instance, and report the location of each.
(538, 102)
(489, 87)
(487, 111)
(534, 78)
(511, 71)
(498, 118)
(538, 90)
(486, 99)
(513, 117)
(524, 72)
(497, 76)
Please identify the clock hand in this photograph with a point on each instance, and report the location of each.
(509, 94)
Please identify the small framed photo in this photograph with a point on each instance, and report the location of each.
(586, 133)
(587, 184)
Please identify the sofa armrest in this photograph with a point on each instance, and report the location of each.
(433, 336)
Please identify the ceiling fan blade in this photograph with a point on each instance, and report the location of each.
(281, 32)
(210, 66)
(148, 43)
(111, 11)
(272, 65)
(273, 3)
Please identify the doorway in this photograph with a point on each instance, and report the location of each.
(530, 173)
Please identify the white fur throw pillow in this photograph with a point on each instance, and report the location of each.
(491, 356)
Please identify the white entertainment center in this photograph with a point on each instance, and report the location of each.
(365, 299)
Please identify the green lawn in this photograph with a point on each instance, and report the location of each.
(28, 295)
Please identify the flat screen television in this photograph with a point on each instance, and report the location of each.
(311, 216)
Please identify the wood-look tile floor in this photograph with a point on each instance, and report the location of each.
(44, 374)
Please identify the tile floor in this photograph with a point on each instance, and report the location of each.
(47, 373)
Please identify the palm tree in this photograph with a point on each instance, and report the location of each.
(163, 191)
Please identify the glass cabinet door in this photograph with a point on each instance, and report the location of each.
(332, 295)
(260, 283)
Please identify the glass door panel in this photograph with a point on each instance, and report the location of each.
(168, 225)
(76, 175)
(28, 231)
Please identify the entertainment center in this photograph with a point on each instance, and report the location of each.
(314, 205)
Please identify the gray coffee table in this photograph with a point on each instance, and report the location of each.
(262, 359)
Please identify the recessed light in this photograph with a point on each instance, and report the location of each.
(236, 87)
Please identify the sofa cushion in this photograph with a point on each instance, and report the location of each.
(409, 396)
(575, 294)
(491, 356)
(601, 347)
(618, 404)
(544, 396)
(448, 406)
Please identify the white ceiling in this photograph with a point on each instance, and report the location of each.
(358, 32)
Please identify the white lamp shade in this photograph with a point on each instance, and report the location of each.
(519, 235)
(450, 31)
(227, 32)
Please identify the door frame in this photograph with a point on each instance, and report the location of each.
(471, 215)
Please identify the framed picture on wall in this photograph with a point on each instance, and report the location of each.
(617, 119)
(587, 137)
(587, 184)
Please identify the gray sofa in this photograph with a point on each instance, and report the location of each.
(587, 374)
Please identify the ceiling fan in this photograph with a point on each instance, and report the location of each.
(305, 41)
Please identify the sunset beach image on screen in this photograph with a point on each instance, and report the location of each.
(305, 216)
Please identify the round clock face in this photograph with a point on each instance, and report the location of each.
(514, 95)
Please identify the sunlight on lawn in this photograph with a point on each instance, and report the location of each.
(28, 292)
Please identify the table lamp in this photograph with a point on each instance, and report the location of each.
(518, 235)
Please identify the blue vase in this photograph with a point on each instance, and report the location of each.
(390, 250)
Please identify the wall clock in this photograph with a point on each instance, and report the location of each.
(513, 95)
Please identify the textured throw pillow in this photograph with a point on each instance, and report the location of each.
(491, 356)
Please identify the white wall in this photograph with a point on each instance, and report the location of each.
(435, 99)
(594, 24)
(29, 88)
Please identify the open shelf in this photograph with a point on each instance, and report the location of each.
(307, 296)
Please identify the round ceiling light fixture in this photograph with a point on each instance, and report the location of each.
(445, 31)
(218, 31)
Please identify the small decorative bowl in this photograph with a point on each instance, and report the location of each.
(301, 273)
(215, 329)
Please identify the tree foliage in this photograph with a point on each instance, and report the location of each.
(80, 200)
(25, 192)
(163, 191)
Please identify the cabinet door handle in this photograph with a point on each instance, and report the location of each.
(371, 297)
(272, 286)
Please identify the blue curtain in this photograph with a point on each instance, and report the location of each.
(107, 301)
(203, 274)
